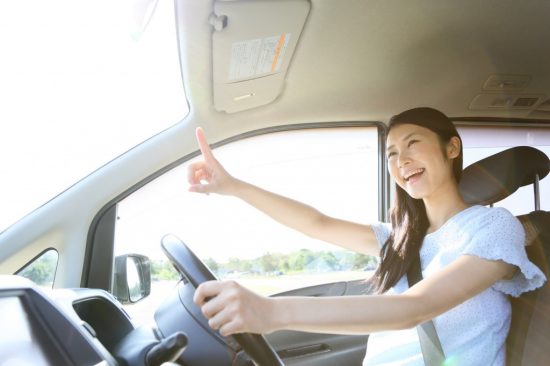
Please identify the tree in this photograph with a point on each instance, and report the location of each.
(42, 270)
(212, 264)
(239, 265)
(163, 270)
(299, 260)
(269, 262)
(330, 260)
(361, 261)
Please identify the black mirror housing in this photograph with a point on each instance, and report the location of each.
(132, 278)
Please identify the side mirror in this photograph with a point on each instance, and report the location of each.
(132, 279)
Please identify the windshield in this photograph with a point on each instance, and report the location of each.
(80, 83)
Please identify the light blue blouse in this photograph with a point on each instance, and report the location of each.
(474, 332)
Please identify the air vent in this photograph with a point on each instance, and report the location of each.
(544, 106)
(492, 101)
(525, 102)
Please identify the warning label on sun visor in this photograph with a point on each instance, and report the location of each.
(257, 57)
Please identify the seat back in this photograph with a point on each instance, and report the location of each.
(489, 181)
(528, 341)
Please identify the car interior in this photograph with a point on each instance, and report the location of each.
(258, 68)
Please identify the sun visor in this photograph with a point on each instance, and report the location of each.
(253, 43)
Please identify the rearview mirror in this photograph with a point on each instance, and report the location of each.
(132, 279)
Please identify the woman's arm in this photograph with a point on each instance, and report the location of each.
(209, 176)
(234, 309)
(309, 221)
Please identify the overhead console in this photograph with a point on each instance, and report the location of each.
(253, 42)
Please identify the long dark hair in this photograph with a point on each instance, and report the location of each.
(408, 216)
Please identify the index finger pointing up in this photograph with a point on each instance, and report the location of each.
(203, 144)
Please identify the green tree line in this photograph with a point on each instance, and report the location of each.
(42, 270)
(303, 260)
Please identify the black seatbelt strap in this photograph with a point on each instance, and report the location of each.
(429, 340)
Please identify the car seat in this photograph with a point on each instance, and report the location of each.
(489, 181)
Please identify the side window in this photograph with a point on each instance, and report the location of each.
(480, 142)
(332, 169)
(41, 270)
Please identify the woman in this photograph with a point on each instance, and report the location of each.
(471, 257)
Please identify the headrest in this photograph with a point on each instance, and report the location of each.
(497, 176)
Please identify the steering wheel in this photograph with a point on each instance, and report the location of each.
(190, 266)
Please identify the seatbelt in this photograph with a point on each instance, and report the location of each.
(432, 352)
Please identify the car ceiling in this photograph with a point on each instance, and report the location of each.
(368, 60)
(354, 61)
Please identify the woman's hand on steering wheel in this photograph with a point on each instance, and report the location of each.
(208, 175)
(232, 309)
(250, 308)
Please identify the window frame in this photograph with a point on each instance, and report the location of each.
(97, 267)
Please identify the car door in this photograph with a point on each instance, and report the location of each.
(335, 169)
(301, 348)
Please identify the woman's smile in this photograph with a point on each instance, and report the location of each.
(413, 176)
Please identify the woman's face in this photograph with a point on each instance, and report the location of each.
(417, 161)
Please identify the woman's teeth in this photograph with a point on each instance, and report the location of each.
(413, 173)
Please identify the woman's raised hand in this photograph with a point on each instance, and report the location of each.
(208, 175)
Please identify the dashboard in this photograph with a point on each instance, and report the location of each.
(75, 327)
(36, 331)
(83, 326)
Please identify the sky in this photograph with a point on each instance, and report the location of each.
(80, 83)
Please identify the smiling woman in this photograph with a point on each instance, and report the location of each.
(79, 85)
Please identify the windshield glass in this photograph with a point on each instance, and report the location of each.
(80, 83)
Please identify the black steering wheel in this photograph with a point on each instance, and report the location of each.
(190, 266)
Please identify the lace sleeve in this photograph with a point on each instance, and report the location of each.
(501, 237)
